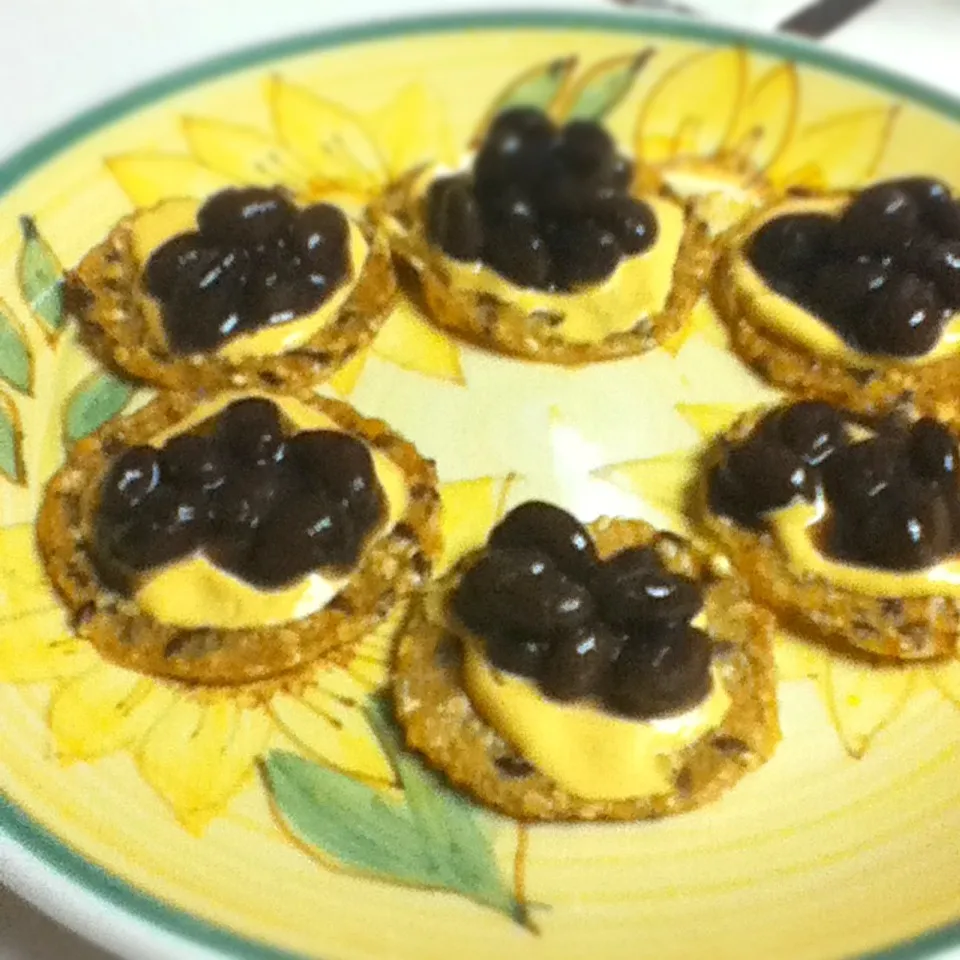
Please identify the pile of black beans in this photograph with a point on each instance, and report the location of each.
(892, 497)
(255, 259)
(545, 207)
(616, 632)
(263, 505)
(885, 275)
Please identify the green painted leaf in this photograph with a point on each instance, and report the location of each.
(346, 819)
(448, 824)
(16, 359)
(41, 277)
(537, 87)
(11, 440)
(432, 838)
(605, 86)
(94, 401)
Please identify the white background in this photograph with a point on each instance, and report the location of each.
(58, 57)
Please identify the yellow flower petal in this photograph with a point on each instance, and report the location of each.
(862, 700)
(946, 678)
(35, 640)
(345, 380)
(843, 151)
(720, 210)
(24, 587)
(661, 482)
(413, 128)
(693, 107)
(326, 722)
(104, 710)
(470, 509)
(331, 142)
(657, 146)
(199, 755)
(769, 117)
(709, 419)
(370, 662)
(675, 343)
(711, 329)
(148, 178)
(412, 344)
(38, 646)
(797, 659)
(243, 154)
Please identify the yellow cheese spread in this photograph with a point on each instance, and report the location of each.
(794, 528)
(593, 754)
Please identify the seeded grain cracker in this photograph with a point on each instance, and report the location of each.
(441, 722)
(898, 627)
(393, 565)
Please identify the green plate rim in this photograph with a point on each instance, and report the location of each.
(42, 843)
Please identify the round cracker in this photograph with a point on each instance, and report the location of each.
(390, 568)
(440, 721)
(904, 628)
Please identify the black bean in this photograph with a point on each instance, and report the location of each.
(515, 146)
(131, 478)
(908, 526)
(882, 219)
(629, 590)
(246, 215)
(583, 253)
(577, 663)
(167, 526)
(792, 248)
(520, 255)
(663, 672)
(933, 452)
(813, 429)
(343, 466)
(304, 532)
(454, 219)
(250, 429)
(557, 533)
(191, 460)
(907, 321)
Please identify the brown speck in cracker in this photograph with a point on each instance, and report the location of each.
(731, 747)
(513, 768)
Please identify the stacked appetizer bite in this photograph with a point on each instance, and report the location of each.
(847, 527)
(246, 289)
(234, 538)
(562, 673)
(851, 298)
(539, 248)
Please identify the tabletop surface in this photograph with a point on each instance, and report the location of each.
(66, 57)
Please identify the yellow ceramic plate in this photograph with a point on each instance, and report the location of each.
(271, 821)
